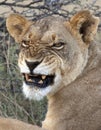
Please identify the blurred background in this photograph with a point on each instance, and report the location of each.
(12, 102)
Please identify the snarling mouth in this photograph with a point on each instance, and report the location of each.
(41, 81)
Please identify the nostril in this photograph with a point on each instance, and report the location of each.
(32, 65)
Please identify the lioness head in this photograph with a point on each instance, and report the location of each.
(53, 51)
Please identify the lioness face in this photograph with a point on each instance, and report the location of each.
(42, 57)
(51, 55)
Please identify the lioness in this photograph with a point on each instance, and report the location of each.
(59, 59)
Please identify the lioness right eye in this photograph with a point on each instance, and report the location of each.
(24, 44)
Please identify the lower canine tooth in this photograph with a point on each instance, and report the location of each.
(43, 76)
(41, 82)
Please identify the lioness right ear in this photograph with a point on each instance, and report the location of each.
(17, 25)
(83, 26)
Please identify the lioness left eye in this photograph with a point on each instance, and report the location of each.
(59, 45)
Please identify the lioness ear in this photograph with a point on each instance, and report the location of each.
(84, 26)
(17, 25)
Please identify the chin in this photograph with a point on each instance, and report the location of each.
(35, 93)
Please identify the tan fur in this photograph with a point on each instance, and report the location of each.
(12, 124)
(78, 106)
(75, 96)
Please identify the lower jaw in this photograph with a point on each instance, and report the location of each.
(36, 85)
(35, 93)
(39, 85)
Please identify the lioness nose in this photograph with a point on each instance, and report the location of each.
(32, 65)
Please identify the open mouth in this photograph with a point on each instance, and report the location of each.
(41, 81)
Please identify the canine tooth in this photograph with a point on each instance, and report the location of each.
(43, 76)
(26, 75)
(30, 80)
(41, 82)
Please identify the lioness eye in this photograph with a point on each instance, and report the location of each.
(24, 44)
(59, 45)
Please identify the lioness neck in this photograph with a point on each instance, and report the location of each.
(56, 111)
(76, 106)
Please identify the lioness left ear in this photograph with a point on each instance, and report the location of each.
(17, 26)
(84, 26)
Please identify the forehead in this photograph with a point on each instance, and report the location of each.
(48, 27)
(49, 23)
